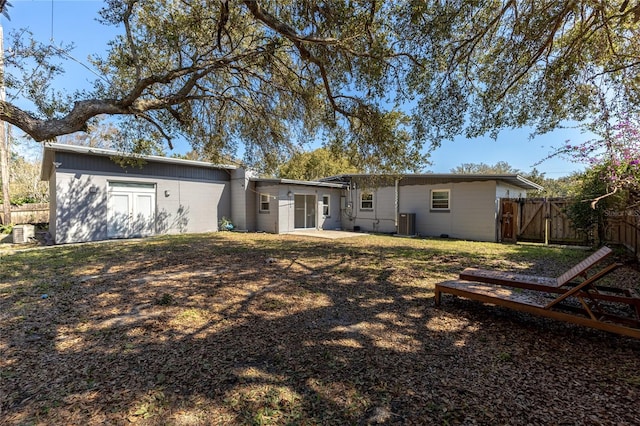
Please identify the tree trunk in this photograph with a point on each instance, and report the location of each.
(4, 145)
(4, 168)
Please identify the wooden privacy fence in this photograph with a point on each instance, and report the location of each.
(540, 220)
(545, 221)
(27, 213)
(623, 227)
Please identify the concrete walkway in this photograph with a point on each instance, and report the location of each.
(327, 234)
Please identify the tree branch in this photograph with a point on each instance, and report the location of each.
(157, 126)
(595, 200)
(74, 121)
(546, 45)
(275, 24)
(130, 42)
(132, 103)
(284, 29)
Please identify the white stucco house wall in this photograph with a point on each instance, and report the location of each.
(284, 205)
(92, 197)
(452, 205)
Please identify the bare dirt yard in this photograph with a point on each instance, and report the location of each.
(258, 329)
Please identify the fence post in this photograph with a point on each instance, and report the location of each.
(547, 221)
(634, 218)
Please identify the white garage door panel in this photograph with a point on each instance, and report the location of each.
(144, 208)
(118, 220)
(131, 210)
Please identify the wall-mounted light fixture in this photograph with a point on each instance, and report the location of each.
(93, 189)
(167, 193)
(289, 194)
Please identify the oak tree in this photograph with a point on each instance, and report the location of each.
(314, 165)
(375, 80)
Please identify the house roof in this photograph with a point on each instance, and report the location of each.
(300, 182)
(338, 181)
(50, 148)
(434, 178)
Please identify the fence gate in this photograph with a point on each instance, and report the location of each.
(539, 220)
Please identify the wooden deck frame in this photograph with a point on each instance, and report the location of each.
(505, 289)
(500, 296)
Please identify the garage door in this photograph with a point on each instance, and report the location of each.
(131, 209)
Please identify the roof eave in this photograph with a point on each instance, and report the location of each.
(50, 146)
(299, 182)
(532, 185)
(513, 179)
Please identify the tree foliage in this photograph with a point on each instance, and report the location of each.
(25, 185)
(583, 212)
(315, 165)
(611, 183)
(614, 157)
(499, 168)
(374, 79)
(99, 134)
(560, 187)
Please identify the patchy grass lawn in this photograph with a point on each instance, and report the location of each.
(261, 329)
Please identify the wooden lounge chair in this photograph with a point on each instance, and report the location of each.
(533, 281)
(605, 308)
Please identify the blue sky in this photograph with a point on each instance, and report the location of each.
(75, 22)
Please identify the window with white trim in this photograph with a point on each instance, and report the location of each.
(264, 203)
(326, 210)
(440, 199)
(366, 201)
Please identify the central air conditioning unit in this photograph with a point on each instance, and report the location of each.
(22, 233)
(407, 224)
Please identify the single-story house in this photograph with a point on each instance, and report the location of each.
(464, 206)
(93, 197)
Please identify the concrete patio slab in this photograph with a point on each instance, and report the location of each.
(327, 234)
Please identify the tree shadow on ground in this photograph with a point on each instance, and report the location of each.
(281, 331)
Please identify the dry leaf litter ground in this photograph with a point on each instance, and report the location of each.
(260, 329)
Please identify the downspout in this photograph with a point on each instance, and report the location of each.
(353, 215)
(397, 203)
(376, 219)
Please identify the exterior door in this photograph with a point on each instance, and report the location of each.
(508, 219)
(131, 210)
(305, 211)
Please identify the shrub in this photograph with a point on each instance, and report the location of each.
(6, 229)
(225, 224)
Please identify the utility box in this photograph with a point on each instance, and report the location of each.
(407, 224)
(22, 233)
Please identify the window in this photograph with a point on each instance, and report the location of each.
(366, 201)
(440, 199)
(264, 202)
(326, 211)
